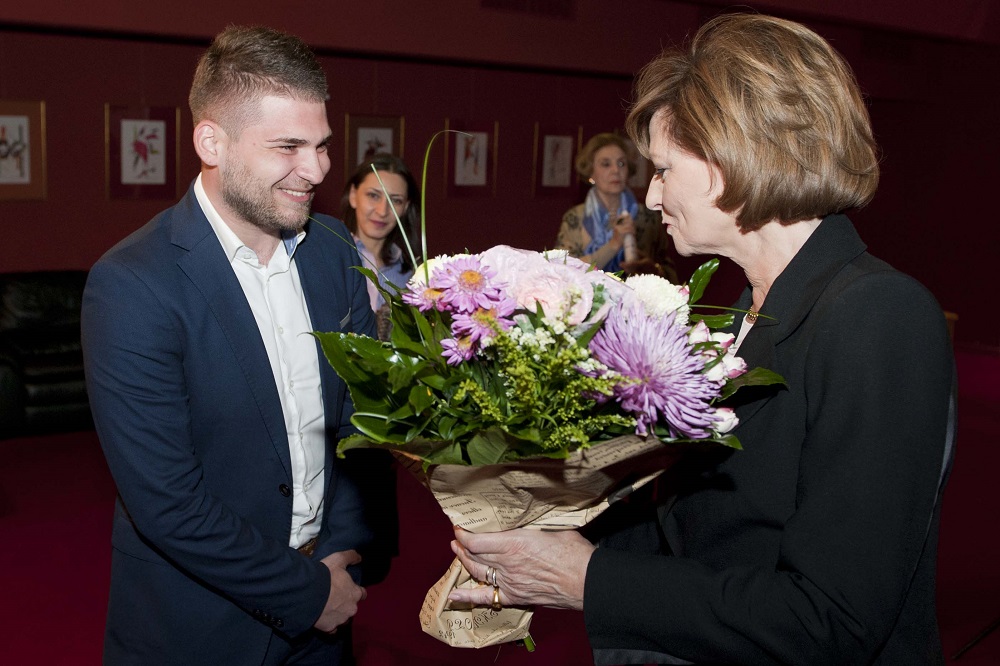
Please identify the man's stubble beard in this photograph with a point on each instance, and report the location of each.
(251, 199)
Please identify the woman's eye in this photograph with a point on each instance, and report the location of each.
(659, 173)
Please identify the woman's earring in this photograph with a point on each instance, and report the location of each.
(590, 180)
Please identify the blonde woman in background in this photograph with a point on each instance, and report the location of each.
(599, 229)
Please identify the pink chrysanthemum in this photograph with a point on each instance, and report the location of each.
(668, 379)
(457, 350)
(466, 284)
(484, 322)
(423, 297)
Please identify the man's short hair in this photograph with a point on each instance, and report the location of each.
(774, 107)
(246, 63)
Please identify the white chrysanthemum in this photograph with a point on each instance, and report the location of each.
(427, 268)
(659, 296)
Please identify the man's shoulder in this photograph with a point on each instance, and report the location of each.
(149, 244)
(151, 233)
(328, 229)
(330, 234)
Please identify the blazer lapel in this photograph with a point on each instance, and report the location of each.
(206, 265)
(323, 287)
(794, 293)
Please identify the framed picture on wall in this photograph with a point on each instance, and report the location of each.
(141, 145)
(22, 150)
(367, 135)
(554, 153)
(471, 158)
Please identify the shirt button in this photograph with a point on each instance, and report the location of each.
(284, 490)
(281, 330)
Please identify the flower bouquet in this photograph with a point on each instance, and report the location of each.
(528, 389)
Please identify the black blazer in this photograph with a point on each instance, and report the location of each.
(816, 544)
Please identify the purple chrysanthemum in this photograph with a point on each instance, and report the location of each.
(484, 322)
(423, 297)
(457, 350)
(668, 379)
(466, 284)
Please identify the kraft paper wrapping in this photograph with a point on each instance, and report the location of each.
(536, 494)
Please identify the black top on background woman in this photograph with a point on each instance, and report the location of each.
(816, 543)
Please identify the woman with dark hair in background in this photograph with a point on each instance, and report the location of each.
(611, 229)
(815, 544)
(371, 217)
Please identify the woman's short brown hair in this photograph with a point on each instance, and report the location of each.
(585, 160)
(774, 107)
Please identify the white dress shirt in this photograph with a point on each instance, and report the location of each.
(275, 295)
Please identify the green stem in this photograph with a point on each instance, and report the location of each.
(423, 201)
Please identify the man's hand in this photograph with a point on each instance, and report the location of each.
(344, 594)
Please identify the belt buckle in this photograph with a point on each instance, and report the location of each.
(309, 547)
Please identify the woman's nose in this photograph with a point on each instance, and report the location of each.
(652, 195)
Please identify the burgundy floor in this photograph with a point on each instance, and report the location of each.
(55, 513)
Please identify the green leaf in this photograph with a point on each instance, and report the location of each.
(355, 442)
(370, 273)
(450, 453)
(421, 398)
(445, 426)
(402, 373)
(700, 278)
(431, 451)
(713, 321)
(488, 447)
(754, 377)
(589, 334)
(731, 441)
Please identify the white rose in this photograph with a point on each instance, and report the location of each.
(733, 365)
(725, 420)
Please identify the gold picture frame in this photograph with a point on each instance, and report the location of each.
(470, 157)
(553, 157)
(141, 151)
(365, 136)
(22, 150)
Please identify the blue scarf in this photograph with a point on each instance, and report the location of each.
(596, 220)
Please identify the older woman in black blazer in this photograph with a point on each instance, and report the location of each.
(816, 544)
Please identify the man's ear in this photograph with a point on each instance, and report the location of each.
(208, 142)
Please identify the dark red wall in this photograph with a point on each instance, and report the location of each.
(933, 103)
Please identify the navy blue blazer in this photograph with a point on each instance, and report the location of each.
(191, 425)
(815, 544)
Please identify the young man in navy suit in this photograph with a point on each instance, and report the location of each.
(238, 535)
